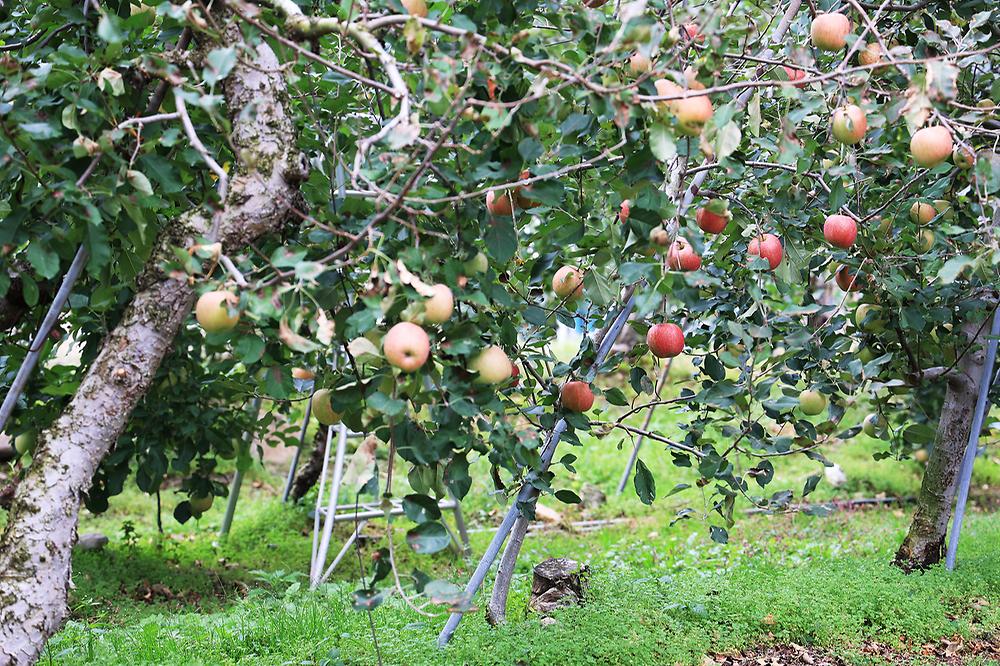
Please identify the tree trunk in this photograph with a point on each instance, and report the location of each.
(37, 543)
(924, 544)
(309, 475)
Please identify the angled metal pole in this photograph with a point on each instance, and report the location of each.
(528, 492)
(331, 508)
(965, 474)
(319, 500)
(35, 351)
(234, 489)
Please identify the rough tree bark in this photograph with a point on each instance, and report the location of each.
(924, 544)
(37, 542)
(309, 475)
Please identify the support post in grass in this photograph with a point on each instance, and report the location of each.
(35, 351)
(234, 488)
(528, 493)
(298, 450)
(965, 474)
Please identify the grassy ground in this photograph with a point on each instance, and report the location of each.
(660, 593)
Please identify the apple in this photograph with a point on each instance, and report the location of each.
(515, 375)
(322, 408)
(866, 355)
(26, 442)
(659, 236)
(812, 402)
(921, 455)
(868, 317)
(576, 396)
(963, 157)
(847, 280)
(692, 32)
(200, 504)
(794, 75)
(925, 240)
(438, 308)
(499, 203)
(523, 192)
(303, 374)
(769, 247)
(943, 208)
(931, 145)
(477, 264)
(406, 346)
(840, 231)
(691, 112)
(829, 31)
(691, 79)
(921, 213)
(492, 366)
(639, 63)
(714, 217)
(625, 211)
(568, 283)
(873, 425)
(870, 55)
(682, 257)
(216, 311)
(665, 340)
(849, 124)
(415, 7)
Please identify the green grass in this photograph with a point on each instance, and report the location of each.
(660, 592)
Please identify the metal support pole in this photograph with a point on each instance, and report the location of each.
(463, 531)
(965, 474)
(234, 489)
(298, 451)
(35, 351)
(645, 426)
(319, 500)
(528, 492)
(338, 474)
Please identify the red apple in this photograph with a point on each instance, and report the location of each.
(769, 247)
(499, 203)
(682, 257)
(625, 211)
(963, 158)
(576, 396)
(714, 217)
(840, 231)
(515, 375)
(829, 31)
(692, 112)
(303, 374)
(849, 124)
(794, 75)
(216, 311)
(659, 236)
(931, 145)
(406, 346)
(847, 280)
(640, 63)
(870, 55)
(692, 32)
(568, 283)
(438, 308)
(921, 213)
(492, 366)
(665, 340)
(523, 193)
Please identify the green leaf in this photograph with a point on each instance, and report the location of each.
(427, 538)
(501, 239)
(388, 406)
(218, 64)
(108, 29)
(661, 142)
(645, 485)
(953, 268)
(43, 259)
(421, 508)
(138, 180)
(616, 397)
(567, 497)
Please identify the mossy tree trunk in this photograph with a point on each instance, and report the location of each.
(35, 551)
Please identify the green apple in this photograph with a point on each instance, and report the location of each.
(812, 402)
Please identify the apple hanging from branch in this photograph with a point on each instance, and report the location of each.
(406, 346)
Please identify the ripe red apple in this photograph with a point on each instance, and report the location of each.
(576, 396)
(406, 346)
(659, 236)
(322, 408)
(216, 311)
(794, 75)
(829, 31)
(515, 375)
(499, 203)
(691, 112)
(931, 145)
(812, 402)
(849, 124)
(625, 211)
(682, 257)
(303, 374)
(870, 55)
(523, 192)
(847, 280)
(568, 283)
(921, 213)
(840, 231)
(714, 217)
(640, 63)
(665, 340)
(438, 308)
(769, 247)
(963, 158)
(492, 366)
(692, 32)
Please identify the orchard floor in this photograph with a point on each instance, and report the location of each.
(785, 589)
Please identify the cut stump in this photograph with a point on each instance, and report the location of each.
(558, 582)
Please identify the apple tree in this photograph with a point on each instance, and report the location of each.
(407, 199)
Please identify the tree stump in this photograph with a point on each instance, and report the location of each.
(558, 582)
